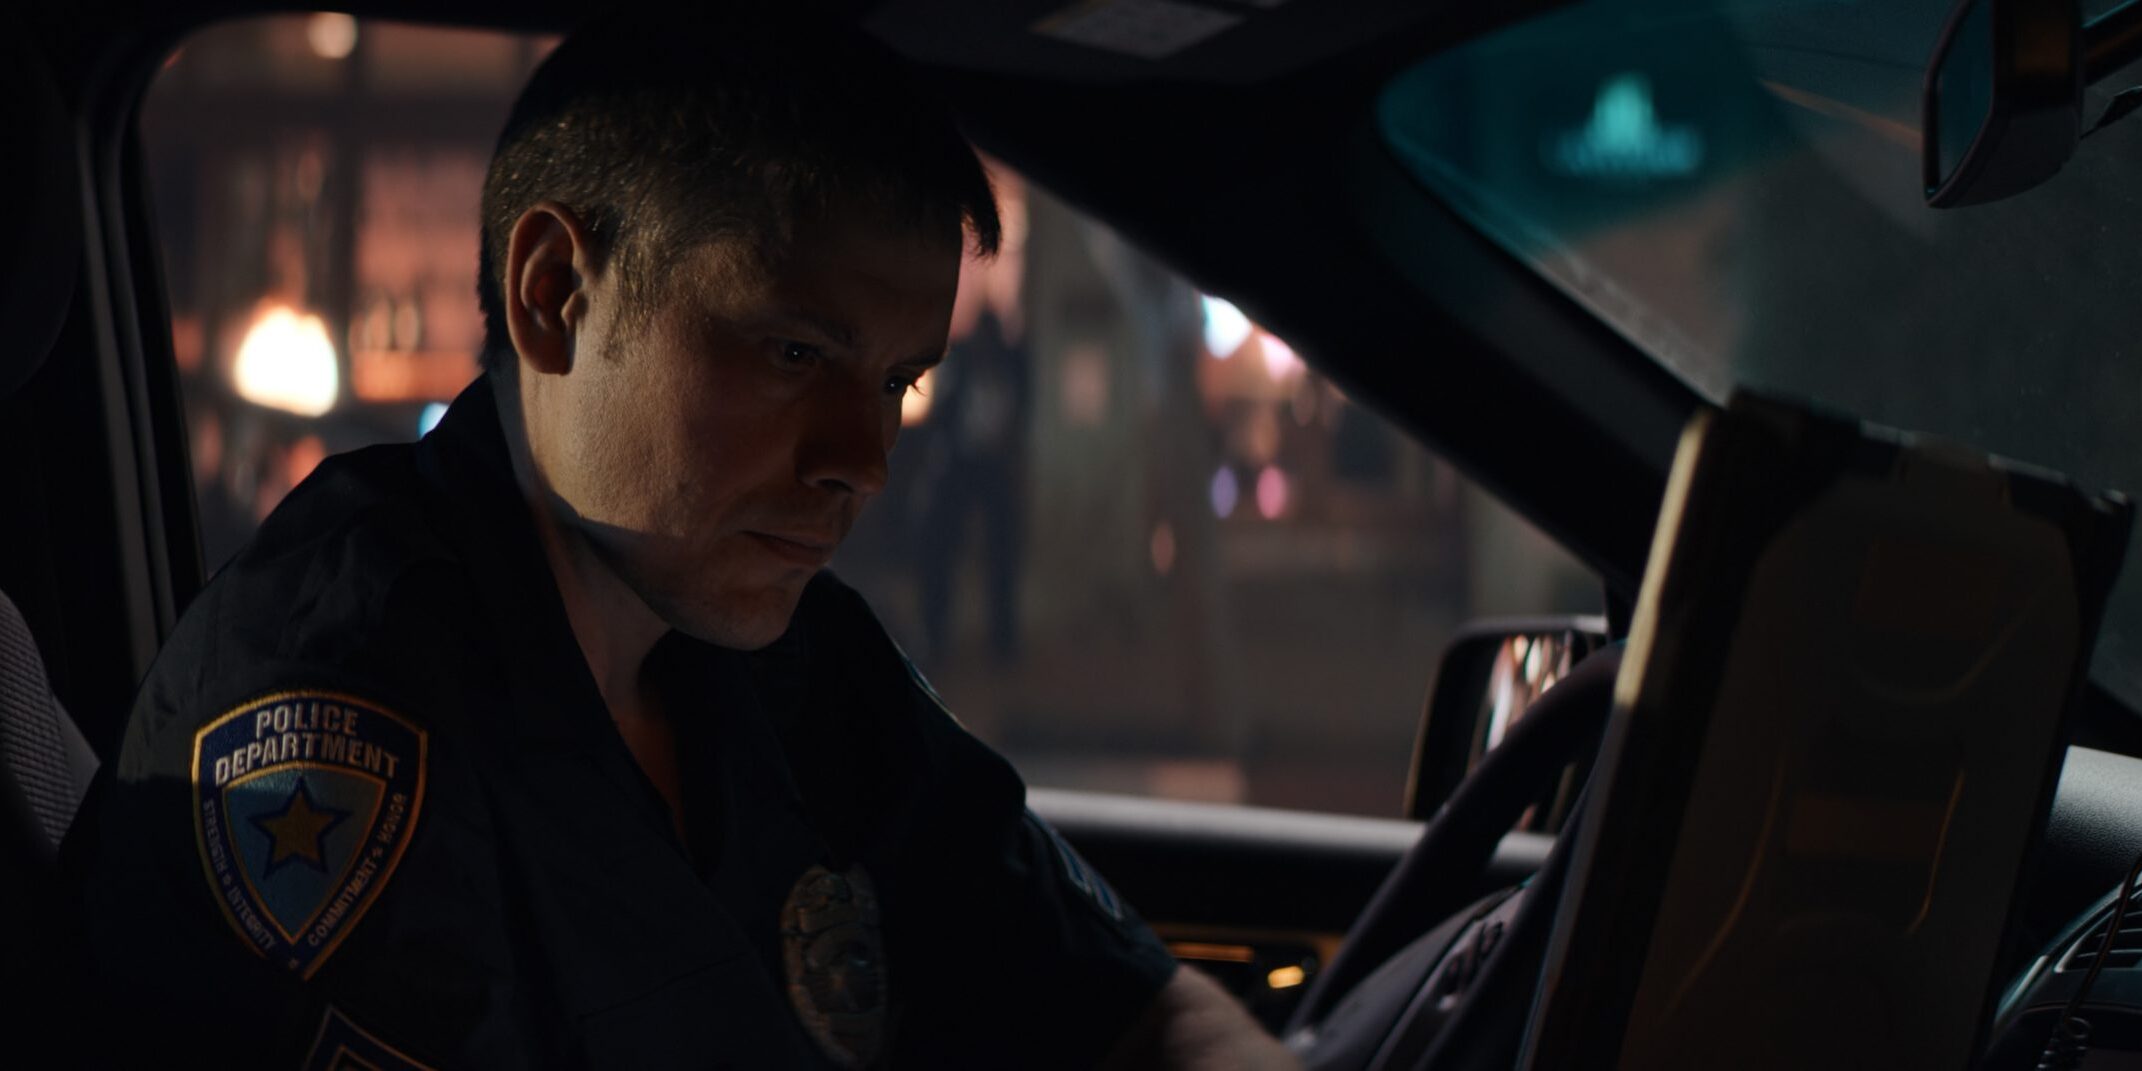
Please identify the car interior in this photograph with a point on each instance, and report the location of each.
(1341, 173)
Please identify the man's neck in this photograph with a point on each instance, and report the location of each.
(614, 627)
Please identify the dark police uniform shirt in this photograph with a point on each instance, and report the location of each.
(370, 811)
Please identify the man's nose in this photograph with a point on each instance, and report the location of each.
(845, 447)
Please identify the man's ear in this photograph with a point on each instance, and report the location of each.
(548, 262)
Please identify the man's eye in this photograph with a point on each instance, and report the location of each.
(898, 386)
(799, 354)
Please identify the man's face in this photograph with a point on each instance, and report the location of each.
(716, 448)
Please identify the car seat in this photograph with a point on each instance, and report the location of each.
(45, 763)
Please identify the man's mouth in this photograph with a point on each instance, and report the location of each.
(800, 548)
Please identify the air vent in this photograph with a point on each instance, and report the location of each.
(2126, 951)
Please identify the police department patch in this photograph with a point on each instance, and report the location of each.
(303, 802)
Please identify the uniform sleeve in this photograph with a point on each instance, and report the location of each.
(1030, 958)
(289, 869)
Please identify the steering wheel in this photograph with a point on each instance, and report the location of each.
(1426, 981)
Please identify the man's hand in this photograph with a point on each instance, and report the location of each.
(1194, 1025)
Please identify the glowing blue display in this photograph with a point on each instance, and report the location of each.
(1625, 137)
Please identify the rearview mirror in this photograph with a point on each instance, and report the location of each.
(2002, 99)
(1490, 672)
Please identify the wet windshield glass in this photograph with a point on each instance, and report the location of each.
(1735, 188)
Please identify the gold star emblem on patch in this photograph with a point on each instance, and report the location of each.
(297, 830)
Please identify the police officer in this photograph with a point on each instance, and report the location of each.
(548, 741)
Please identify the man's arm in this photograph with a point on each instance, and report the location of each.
(1193, 1025)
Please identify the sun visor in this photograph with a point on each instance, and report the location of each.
(38, 263)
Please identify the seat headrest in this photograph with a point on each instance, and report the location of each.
(38, 262)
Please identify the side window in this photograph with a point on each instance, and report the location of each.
(316, 182)
(1136, 542)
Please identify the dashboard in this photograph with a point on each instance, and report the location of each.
(2093, 836)
(2094, 833)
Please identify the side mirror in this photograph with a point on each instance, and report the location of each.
(1490, 672)
(2002, 100)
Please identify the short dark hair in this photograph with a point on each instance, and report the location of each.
(663, 137)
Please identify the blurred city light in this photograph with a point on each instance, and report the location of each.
(1271, 492)
(408, 325)
(429, 419)
(286, 362)
(1225, 492)
(1286, 977)
(332, 35)
(1085, 385)
(303, 456)
(1162, 548)
(1280, 360)
(915, 404)
(1303, 403)
(1226, 329)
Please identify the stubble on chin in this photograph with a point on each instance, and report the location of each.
(742, 618)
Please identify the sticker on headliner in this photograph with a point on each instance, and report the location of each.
(303, 802)
(1147, 29)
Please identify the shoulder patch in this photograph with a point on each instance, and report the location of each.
(303, 803)
(342, 1045)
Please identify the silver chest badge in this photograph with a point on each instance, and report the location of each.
(834, 954)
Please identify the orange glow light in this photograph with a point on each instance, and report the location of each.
(286, 362)
(915, 404)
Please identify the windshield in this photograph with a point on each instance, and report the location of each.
(1735, 188)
